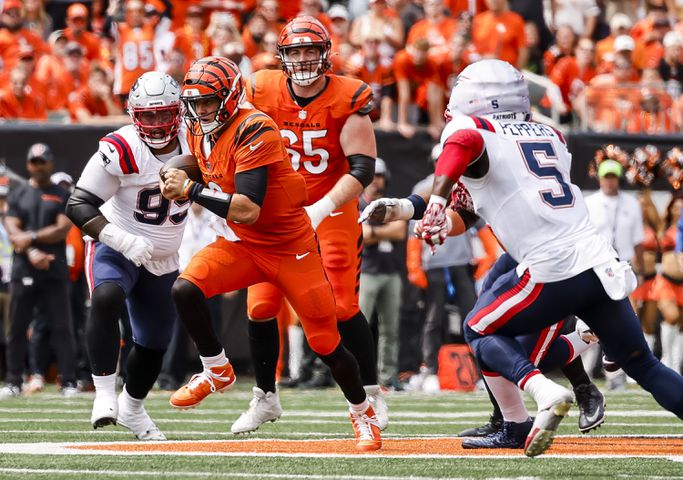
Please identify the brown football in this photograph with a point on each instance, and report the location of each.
(186, 163)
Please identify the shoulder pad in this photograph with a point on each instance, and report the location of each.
(117, 155)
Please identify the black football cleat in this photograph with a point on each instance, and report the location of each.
(510, 435)
(591, 405)
(489, 428)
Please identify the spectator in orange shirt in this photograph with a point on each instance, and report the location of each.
(500, 33)
(652, 49)
(190, 39)
(436, 27)
(267, 59)
(571, 74)
(460, 54)
(619, 25)
(253, 33)
(271, 12)
(368, 66)
(456, 7)
(383, 19)
(417, 80)
(565, 42)
(17, 101)
(239, 9)
(77, 21)
(623, 45)
(36, 18)
(95, 99)
(14, 35)
(68, 74)
(642, 29)
(315, 9)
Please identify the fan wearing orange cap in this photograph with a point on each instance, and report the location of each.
(76, 30)
(14, 35)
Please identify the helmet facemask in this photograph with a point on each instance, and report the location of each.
(304, 72)
(215, 119)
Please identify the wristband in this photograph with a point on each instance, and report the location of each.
(187, 185)
(419, 206)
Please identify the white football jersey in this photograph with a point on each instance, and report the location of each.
(528, 199)
(125, 174)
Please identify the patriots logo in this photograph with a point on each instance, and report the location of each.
(609, 272)
(105, 160)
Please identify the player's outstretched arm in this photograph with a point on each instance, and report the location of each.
(357, 139)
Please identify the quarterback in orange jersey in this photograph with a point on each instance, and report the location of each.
(323, 119)
(267, 236)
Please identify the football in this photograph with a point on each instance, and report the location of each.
(186, 163)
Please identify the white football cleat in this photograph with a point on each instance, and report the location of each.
(264, 407)
(547, 422)
(137, 421)
(105, 409)
(379, 405)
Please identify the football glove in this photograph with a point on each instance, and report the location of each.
(135, 248)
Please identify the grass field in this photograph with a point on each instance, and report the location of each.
(313, 440)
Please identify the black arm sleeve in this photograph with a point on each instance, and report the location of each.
(253, 184)
(362, 168)
(83, 209)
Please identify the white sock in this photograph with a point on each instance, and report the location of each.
(216, 361)
(359, 408)
(130, 402)
(669, 335)
(296, 350)
(509, 399)
(650, 340)
(105, 385)
(590, 360)
(371, 389)
(545, 392)
(578, 345)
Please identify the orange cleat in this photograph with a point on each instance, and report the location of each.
(201, 385)
(367, 430)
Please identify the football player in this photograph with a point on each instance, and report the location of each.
(132, 258)
(517, 172)
(267, 237)
(323, 119)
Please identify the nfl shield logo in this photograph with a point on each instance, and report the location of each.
(302, 114)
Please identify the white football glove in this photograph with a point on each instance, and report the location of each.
(135, 248)
(319, 211)
(385, 210)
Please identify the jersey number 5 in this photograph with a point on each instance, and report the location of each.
(531, 152)
(320, 155)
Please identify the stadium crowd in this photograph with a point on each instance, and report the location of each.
(606, 65)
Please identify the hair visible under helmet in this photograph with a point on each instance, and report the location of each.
(304, 31)
(157, 93)
(209, 77)
(490, 87)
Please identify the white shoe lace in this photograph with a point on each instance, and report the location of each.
(364, 425)
(205, 376)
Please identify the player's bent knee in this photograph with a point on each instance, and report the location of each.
(262, 311)
(107, 297)
(324, 343)
(186, 293)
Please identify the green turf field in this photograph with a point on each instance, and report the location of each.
(316, 416)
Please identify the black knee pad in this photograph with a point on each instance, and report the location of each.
(108, 298)
(144, 365)
(186, 293)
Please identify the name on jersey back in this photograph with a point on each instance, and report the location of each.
(524, 129)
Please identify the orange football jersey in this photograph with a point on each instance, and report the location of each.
(311, 133)
(250, 141)
(134, 55)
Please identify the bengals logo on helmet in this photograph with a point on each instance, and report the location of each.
(211, 78)
(304, 31)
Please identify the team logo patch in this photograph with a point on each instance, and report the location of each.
(609, 272)
(302, 114)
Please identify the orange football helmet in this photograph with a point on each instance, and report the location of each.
(211, 78)
(304, 31)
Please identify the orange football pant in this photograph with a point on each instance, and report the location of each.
(341, 243)
(225, 266)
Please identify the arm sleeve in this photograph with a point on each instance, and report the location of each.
(362, 168)
(252, 184)
(460, 149)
